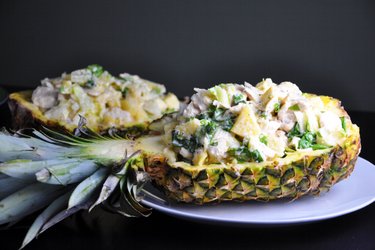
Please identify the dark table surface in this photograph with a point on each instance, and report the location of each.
(100, 230)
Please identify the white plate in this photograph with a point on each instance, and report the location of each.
(345, 197)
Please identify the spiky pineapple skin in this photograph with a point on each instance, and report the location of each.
(311, 174)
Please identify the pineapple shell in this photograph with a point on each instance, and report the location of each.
(307, 174)
(290, 177)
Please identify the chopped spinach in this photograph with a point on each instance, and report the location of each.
(295, 107)
(256, 156)
(96, 69)
(263, 139)
(190, 144)
(343, 123)
(219, 116)
(263, 115)
(89, 84)
(295, 131)
(276, 107)
(319, 146)
(226, 124)
(207, 127)
(156, 90)
(243, 154)
(307, 140)
(125, 91)
(239, 98)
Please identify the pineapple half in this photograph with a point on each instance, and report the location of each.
(232, 142)
(124, 102)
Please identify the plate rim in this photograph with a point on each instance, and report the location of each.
(197, 217)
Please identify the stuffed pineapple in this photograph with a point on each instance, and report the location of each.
(231, 142)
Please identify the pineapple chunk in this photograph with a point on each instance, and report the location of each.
(269, 99)
(155, 107)
(268, 95)
(172, 102)
(221, 95)
(331, 131)
(168, 128)
(246, 124)
(311, 121)
(200, 157)
(265, 84)
(190, 127)
(300, 117)
(278, 143)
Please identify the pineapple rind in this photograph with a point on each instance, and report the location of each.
(308, 174)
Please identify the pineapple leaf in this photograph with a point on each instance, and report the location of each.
(108, 187)
(3, 176)
(125, 200)
(65, 214)
(66, 173)
(112, 180)
(10, 185)
(130, 187)
(26, 201)
(49, 157)
(42, 218)
(87, 188)
(26, 169)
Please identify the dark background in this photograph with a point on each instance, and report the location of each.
(326, 47)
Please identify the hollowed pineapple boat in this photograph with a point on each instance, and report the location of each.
(232, 142)
(125, 102)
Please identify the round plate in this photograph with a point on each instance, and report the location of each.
(345, 197)
(3, 96)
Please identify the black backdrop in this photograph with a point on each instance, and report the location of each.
(326, 47)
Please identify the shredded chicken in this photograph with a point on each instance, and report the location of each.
(45, 97)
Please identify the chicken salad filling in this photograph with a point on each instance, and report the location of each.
(104, 100)
(246, 123)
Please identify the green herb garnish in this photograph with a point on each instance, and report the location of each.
(125, 91)
(239, 98)
(179, 140)
(96, 69)
(319, 146)
(156, 90)
(276, 107)
(263, 139)
(307, 140)
(218, 115)
(295, 107)
(295, 131)
(243, 154)
(343, 123)
(89, 84)
(207, 127)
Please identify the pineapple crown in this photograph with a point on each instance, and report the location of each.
(68, 173)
